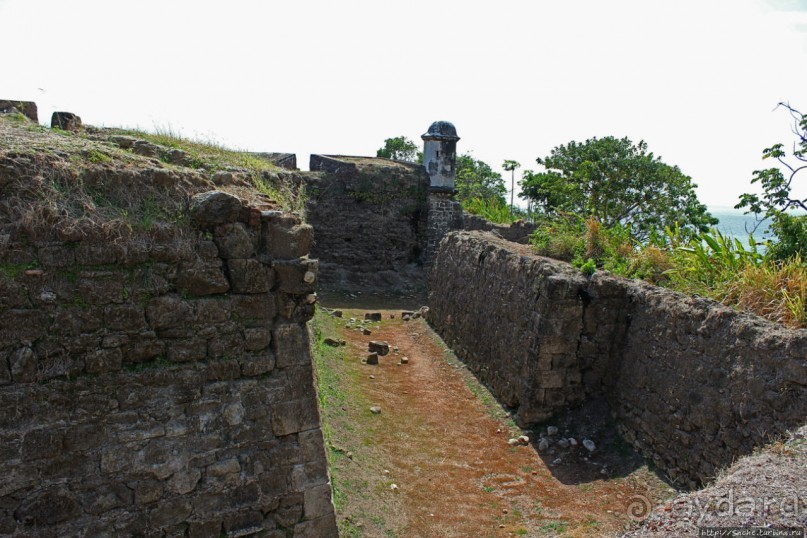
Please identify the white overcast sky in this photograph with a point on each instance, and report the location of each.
(696, 79)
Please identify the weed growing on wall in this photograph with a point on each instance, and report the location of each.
(712, 264)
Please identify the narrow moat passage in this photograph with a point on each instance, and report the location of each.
(437, 461)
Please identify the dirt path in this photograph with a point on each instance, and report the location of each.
(436, 461)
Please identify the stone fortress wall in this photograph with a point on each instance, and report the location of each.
(163, 387)
(693, 385)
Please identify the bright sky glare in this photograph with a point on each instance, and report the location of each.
(697, 80)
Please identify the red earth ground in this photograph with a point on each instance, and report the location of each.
(436, 462)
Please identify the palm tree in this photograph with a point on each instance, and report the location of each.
(511, 166)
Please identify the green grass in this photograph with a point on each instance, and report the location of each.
(491, 209)
(554, 528)
(208, 154)
(711, 264)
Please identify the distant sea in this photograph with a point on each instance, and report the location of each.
(734, 223)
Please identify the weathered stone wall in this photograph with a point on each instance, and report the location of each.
(370, 217)
(518, 232)
(26, 108)
(693, 384)
(162, 387)
(445, 215)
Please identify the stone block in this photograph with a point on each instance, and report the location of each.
(257, 338)
(312, 446)
(244, 524)
(284, 237)
(50, 507)
(294, 416)
(213, 208)
(22, 363)
(26, 108)
(222, 370)
(103, 361)
(200, 278)
(290, 510)
(42, 444)
(290, 345)
(144, 347)
(318, 502)
(208, 251)
(323, 527)
(211, 311)
(127, 318)
(253, 307)
(234, 241)
(170, 512)
(187, 350)
(250, 276)
(204, 529)
(66, 121)
(101, 287)
(56, 256)
(5, 373)
(184, 481)
(90, 254)
(257, 365)
(293, 275)
(18, 326)
(168, 312)
(226, 344)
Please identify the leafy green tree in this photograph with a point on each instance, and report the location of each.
(400, 148)
(511, 166)
(619, 184)
(476, 179)
(777, 196)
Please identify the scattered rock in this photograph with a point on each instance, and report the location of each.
(372, 358)
(552, 430)
(332, 342)
(589, 444)
(376, 410)
(337, 313)
(309, 277)
(395, 349)
(123, 142)
(393, 487)
(222, 178)
(404, 360)
(372, 316)
(146, 149)
(512, 441)
(176, 156)
(47, 296)
(524, 440)
(406, 317)
(377, 346)
(392, 316)
(563, 443)
(543, 444)
(572, 441)
(366, 332)
(372, 377)
(66, 121)
(556, 461)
